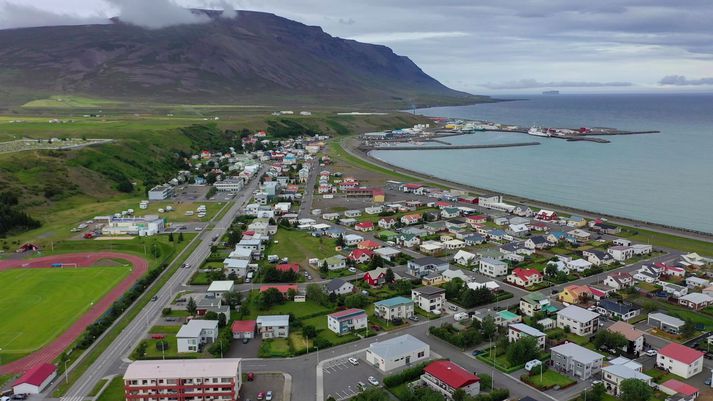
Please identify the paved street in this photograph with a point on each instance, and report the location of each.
(113, 359)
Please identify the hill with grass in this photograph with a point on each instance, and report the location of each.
(254, 58)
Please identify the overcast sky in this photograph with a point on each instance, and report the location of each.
(481, 46)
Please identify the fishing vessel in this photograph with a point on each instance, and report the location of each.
(537, 131)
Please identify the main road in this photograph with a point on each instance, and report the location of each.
(114, 357)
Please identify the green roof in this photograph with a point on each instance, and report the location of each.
(387, 233)
(395, 301)
(507, 315)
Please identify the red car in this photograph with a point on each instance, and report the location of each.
(261, 395)
(251, 376)
(158, 336)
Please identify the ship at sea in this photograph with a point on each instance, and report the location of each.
(550, 92)
(536, 131)
(471, 127)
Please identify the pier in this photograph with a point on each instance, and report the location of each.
(451, 147)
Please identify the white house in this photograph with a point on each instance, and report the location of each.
(619, 280)
(273, 326)
(35, 379)
(196, 333)
(464, 258)
(346, 321)
(430, 299)
(517, 331)
(493, 267)
(396, 352)
(579, 320)
(621, 253)
(680, 360)
(579, 265)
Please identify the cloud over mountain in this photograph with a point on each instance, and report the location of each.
(680, 80)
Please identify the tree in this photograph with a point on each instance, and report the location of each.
(459, 395)
(165, 311)
(191, 306)
(323, 268)
(389, 276)
(356, 301)
(523, 350)
(222, 321)
(597, 393)
(269, 298)
(688, 329)
(610, 340)
(551, 270)
(486, 381)
(453, 288)
(125, 186)
(232, 298)
(488, 327)
(403, 287)
(635, 390)
(309, 332)
(180, 237)
(210, 315)
(170, 237)
(162, 345)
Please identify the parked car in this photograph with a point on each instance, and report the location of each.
(453, 307)
(413, 318)
(154, 298)
(651, 352)
(476, 352)
(372, 380)
(352, 269)
(353, 361)
(268, 395)
(251, 376)
(261, 395)
(246, 340)
(361, 385)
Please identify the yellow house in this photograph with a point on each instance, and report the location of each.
(377, 195)
(574, 294)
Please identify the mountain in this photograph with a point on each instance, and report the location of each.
(256, 57)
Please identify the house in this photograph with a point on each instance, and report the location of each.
(368, 244)
(546, 215)
(464, 258)
(375, 277)
(430, 299)
(237, 267)
(464, 275)
(491, 285)
(615, 373)
(598, 257)
(394, 308)
(352, 239)
(604, 227)
(364, 226)
(696, 300)
(671, 271)
(695, 260)
(547, 323)
(537, 242)
(523, 211)
(621, 253)
(574, 294)
(361, 255)
(410, 219)
(339, 287)
(423, 266)
(431, 247)
(599, 293)
(374, 209)
(665, 322)
(634, 336)
(505, 318)
(387, 222)
(619, 280)
(387, 235)
(348, 320)
(352, 213)
(473, 239)
(642, 249)
(576, 221)
(675, 387)
(535, 302)
(336, 262)
(693, 282)
(579, 234)
(387, 253)
(680, 360)
(193, 335)
(493, 267)
(408, 240)
(243, 329)
(476, 220)
(579, 320)
(579, 265)
(454, 244)
(219, 287)
(35, 379)
(576, 361)
(674, 290)
(524, 277)
(273, 326)
(446, 378)
(182, 379)
(396, 352)
(283, 289)
(519, 330)
(433, 279)
(618, 310)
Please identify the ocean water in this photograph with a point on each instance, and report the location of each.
(665, 178)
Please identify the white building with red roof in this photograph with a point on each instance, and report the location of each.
(364, 226)
(243, 329)
(35, 380)
(361, 255)
(348, 320)
(446, 377)
(673, 386)
(680, 360)
(524, 277)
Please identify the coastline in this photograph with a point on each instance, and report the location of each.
(349, 146)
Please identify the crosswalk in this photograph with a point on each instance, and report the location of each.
(75, 398)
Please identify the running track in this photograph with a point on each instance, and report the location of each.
(52, 350)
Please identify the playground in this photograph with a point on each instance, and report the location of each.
(47, 302)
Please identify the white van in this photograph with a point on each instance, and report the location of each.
(532, 364)
(460, 316)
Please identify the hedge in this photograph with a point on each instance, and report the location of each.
(406, 375)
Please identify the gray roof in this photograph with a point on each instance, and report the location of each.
(578, 314)
(428, 290)
(428, 260)
(193, 328)
(335, 284)
(578, 353)
(273, 320)
(529, 330)
(669, 320)
(397, 346)
(625, 372)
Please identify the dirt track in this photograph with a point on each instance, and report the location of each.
(52, 350)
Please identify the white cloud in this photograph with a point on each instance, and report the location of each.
(155, 14)
(390, 37)
(14, 15)
(680, 80)
(532, 84)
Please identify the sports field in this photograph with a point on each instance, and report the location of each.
(38, 304)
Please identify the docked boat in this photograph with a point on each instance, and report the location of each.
(536, 131)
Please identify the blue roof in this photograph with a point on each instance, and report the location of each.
(395, 301)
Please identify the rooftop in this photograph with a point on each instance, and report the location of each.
(194, 328)
(273, 320)
(578, 314)
(37, 374)
(451, 374)
(395, 301)
(397, 346)
(681, 353)
(178, 368)
(578, 353)
(221, 286)
(529, 330)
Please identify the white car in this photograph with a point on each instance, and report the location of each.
(651, 352)
(268, 396)
(372, 380)
(352, 269)
(353, 361)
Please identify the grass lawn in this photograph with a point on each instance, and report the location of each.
(178, 215)
(401, 391)
(550, 378)
(320, 323)
(667, 240)
(274, 348)
(42, 303)
(97, 387)
(680, 312)
(152, 352)
(300, 246)
(114, 391)
(501, 362)
(660, 376)
(298, 309)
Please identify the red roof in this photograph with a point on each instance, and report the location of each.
(680, 387)
(681, 353)
(597, 292)
(443, 204)
(451, 374)
(243, 326)
(368, 244)
(525, 274)
(285, 267)
(358, 253)
(377, 191)
(37, 375)
(282, 288)
(347, 312)
(249, 232)
(365, 224)
(477, 217)
(413, 186)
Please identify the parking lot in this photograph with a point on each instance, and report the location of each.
(190, 192)
(263, 382)
(341, 378)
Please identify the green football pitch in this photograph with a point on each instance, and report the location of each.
(37, 305)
